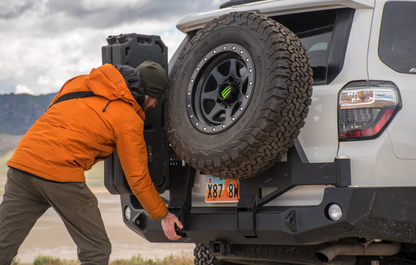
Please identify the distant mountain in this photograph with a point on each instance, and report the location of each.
(19, 112)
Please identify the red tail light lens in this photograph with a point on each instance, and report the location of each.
(365, 108)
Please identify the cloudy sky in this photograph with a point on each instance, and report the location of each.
(45, 42)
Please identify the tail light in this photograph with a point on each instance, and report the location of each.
(365, 108)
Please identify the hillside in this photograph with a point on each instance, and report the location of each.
(17, 115)
(19, 112)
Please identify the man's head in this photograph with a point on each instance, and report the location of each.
(154, 78)
(155, 81)
(147, 83)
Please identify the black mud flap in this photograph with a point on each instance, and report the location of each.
(133, 49)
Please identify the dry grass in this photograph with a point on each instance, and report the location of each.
(183, 259)
(168, 260)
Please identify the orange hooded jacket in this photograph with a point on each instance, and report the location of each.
(71, 136)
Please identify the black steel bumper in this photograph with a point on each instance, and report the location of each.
(380, 213)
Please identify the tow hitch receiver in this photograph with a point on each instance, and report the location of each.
(220, 248)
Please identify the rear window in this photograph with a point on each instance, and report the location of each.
(397, 45)
(325, 45)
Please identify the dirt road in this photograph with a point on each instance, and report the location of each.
(49, 236)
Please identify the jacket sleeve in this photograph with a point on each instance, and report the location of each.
(131, 149)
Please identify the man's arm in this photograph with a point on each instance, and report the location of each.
(132, 151)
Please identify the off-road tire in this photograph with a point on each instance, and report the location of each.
(203, 256)
(256, 132)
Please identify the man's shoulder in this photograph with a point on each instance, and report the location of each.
(122, 114)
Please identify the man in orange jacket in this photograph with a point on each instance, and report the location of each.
(90, 117)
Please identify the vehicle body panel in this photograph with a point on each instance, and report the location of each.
(373, 163)
(195, 21)
(402, 129)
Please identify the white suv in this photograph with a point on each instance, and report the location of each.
(292, 128)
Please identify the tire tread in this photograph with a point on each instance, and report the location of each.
(284, 104)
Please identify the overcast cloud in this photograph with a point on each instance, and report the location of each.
(45, 42)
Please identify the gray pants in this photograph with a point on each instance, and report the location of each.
(26, 198)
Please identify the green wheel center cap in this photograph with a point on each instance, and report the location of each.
(228, 93)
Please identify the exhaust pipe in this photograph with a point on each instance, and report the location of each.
(378, 249)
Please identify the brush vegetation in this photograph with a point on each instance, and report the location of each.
(135, 260)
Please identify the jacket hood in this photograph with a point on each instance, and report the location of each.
(106, 81)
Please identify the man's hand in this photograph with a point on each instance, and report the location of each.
(168, 225)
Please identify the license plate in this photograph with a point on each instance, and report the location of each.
(222, 190)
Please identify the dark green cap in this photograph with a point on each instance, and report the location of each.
(154, 78)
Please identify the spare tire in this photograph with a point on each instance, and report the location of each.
(238, 96)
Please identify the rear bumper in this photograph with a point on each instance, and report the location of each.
(381, 213)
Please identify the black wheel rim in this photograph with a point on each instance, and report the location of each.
(220, 88)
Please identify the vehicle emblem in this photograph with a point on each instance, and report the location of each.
(226, 92)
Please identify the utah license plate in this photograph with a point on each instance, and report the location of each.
(222, 190)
